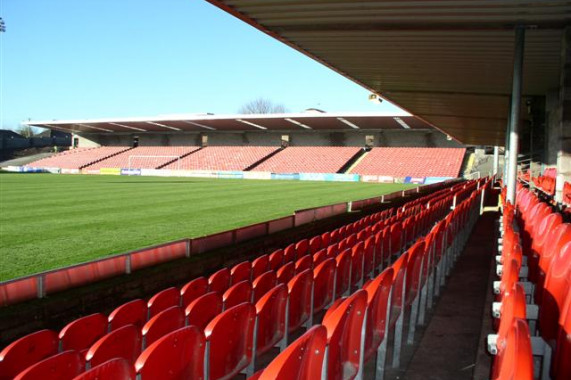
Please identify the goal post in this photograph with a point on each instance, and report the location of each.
(154, 161)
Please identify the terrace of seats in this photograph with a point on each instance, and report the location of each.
(78, 158)
(223, 158)
(308, 159)
(415, 162)
(163, 155)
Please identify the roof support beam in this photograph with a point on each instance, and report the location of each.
(514, 112)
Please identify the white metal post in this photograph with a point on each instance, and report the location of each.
(514, 112)
(496, 160)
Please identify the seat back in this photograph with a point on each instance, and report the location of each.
(301, 248)
(237, 294)
(177, 355)
(286, 273)
(240, 272)
(315, 244)
(113, 369)
(289, 253)
(163, 300)
(395, 238)
(161, 324)
(333, 251)
(414, 271)
(27, 351)
(378, 296)
(513, 306)
(219, 281)
(557, 285)
(192, 290)
(130, 313)
(124, 342)
(325, 239)
(203, 309)
(357, 254)
(276, 260)
(270, 318)
(398, 288)
(299, 299)
(561, 367)
(319, 257)
(302, 359)
(343, 270)
(369, 256)
(65, 365)
(260, 265)
(262, 284)
(514, 359)
(80, 334)
(344, 336)
(303, 263)
(323, 284)
(229, 338)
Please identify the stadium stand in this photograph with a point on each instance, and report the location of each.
(308, 159)
(227, 348)
(223, 158)
(78, 158)
(163, 155)
(414, 162)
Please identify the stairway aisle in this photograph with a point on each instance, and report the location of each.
(449, 346)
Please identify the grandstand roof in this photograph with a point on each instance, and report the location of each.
(448, 62)
(249, 122)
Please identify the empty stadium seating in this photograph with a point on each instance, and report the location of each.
(142, 157)
(78, 158)
(223, 341)
(414, 162)
(308, 159)
(223, 158)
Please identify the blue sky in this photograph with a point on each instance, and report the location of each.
(71, 59)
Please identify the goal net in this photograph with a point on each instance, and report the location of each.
(153, 162)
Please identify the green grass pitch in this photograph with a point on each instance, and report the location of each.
(49, 221)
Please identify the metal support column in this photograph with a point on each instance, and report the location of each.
(496, 160)
(514, 112)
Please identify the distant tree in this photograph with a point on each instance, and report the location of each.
(262, 106)
(26, 131)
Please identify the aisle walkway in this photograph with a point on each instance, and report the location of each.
(449, 345)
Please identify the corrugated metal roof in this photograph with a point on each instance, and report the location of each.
(448, 62)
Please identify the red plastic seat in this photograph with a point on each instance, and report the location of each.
(325, 240)
(270, 319)
(302, 359)
(262, 284)
(514, 359)
(237, 294)
(561, 368)
(548, 223)
(27, 351)
(376, 328)
(229, 342)
(414, 271)
(343, 270)
(333, 251)
(299, 299)
(276, 260)
(513, 306)
(369, 257)
(334, 237)
(241, 272)
(260, 265)
(395, 239)
(303, 263)
(289, 253)
(219, 281)
(314, 244)
(130, 313)
(192, 290)
(125, 342)
(558, 237)
(357, 264)
(114, 369)
(286, 273)
(557, 285)
(319, 257)
(176, 356)
(203, 309)
(163, 300)
(65, 365)
(344, 326)
(301, 248)
(323, 284)
(161, 324)
(80, 334)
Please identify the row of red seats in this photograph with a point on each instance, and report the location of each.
(142, 157)
(356, 328)
(164, 311)
(547, 184)
(567, 194)
(78, 158)
(533, 294)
